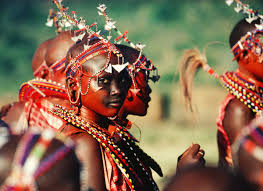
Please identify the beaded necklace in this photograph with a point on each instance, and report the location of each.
(124, 160)
(38, 87)
(243, 90)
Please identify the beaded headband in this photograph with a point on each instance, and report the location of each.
(250, 41)
(68, 22)
(57, 66)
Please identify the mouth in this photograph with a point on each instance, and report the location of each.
(116, 103)
(145, 99)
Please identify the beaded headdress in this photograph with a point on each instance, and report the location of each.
(66, 21)
(252, 41)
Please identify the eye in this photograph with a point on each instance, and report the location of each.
(122, 79)
(104, 80)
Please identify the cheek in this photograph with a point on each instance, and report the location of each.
(61, 78)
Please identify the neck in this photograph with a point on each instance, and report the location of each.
(90, 115)
(59, 101)
(122, 114)
(250, 77)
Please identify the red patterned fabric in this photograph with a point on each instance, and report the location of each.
(38, 115)
(222, 138)
(117, 179)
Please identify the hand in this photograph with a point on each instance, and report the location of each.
(4, 109)
(192, 157)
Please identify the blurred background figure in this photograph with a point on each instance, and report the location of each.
(207, 179)
(38, 161)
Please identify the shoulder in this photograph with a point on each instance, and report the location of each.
(86, 143)
(237, 116)
(89, 153)
(14, 114)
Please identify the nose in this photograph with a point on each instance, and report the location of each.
(149, 89)
(115, 88)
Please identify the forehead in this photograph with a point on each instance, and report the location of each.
(98, 63)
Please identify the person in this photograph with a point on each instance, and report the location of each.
(36, 161)
(98, 87)
(248, 153)
(137, 103)
(37, 96)
(243, 102)
(207, 179)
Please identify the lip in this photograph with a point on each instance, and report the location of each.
(116, 103)
(145, 100)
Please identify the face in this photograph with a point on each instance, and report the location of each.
(106, 93)
(139, 103)
(253, 58)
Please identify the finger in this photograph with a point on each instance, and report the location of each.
(185, 152)
(200, 154)
(194, 149)
(202, 162)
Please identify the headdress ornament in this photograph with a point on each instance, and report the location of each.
(251, 41)
(90, 51)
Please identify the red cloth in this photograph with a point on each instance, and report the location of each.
(117, 179)
(38, 115)
(114, 178)
(224, 146)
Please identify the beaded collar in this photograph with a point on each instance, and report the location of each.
(38, 87)
(243, 90)
(129, 158)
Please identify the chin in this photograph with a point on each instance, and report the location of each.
(111, 113)
(140, 113)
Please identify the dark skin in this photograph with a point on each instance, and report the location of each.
(206, 179)
(104, 99)
(137, 104)
(249, 167)
(238, 115)
(57, 178)
(49, 52)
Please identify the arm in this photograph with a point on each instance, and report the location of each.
(237, 116)
(89, 153)
(15, 117)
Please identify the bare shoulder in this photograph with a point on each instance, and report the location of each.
(237, 116)
(89, 153)
(14, 114)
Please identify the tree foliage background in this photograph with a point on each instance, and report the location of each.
(167, 27)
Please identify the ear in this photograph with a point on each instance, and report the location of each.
(73, 90)
(245, 55)
(129, 96)
(45, 74)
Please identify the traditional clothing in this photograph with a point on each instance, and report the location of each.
(248, 93)
(29, 164)
(126, 166)
(36, 111)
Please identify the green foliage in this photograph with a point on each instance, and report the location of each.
(167, 27)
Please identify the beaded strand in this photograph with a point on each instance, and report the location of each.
(242, 91)
(103, 137)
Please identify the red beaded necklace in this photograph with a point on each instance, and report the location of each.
(245, 91)
(38, 87)
(124, 160)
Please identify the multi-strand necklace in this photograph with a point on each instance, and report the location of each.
(39, 87)
(245, 91)
(124, 160)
